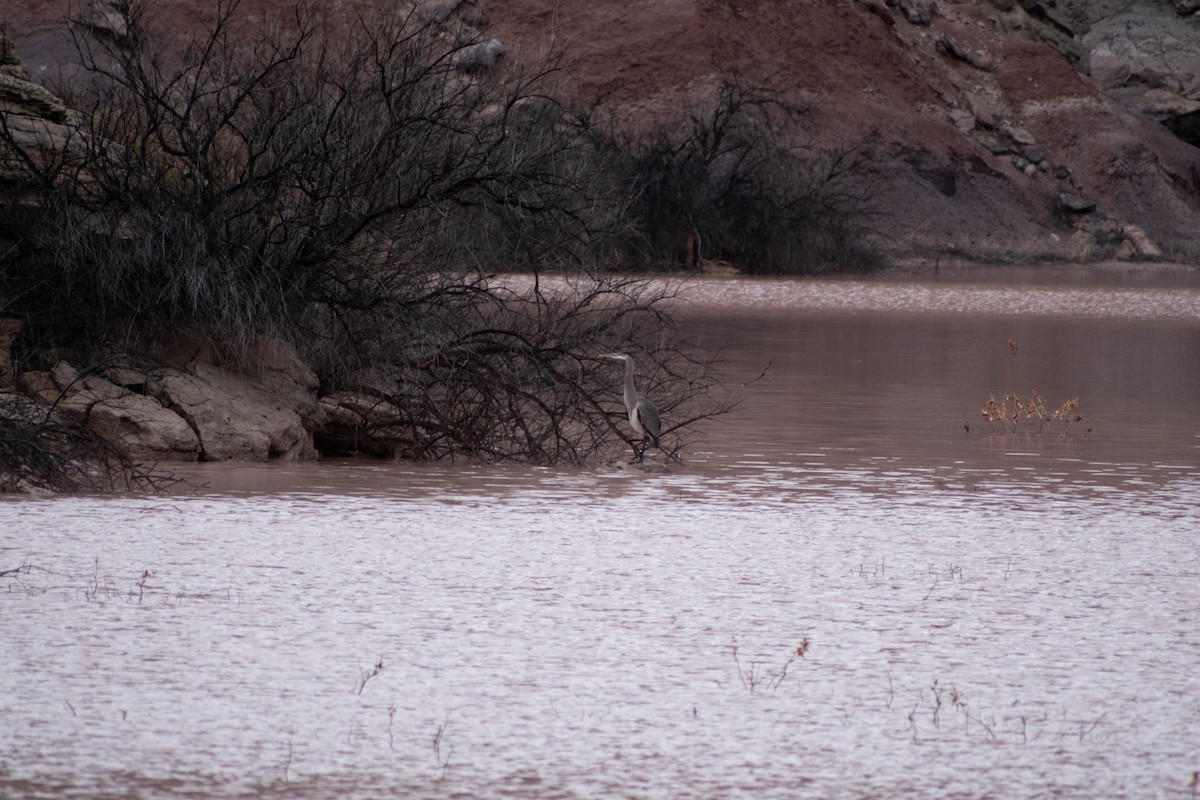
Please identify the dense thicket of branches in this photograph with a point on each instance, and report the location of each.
(515, 372)
(234, 185)
(349, 186)
(736, 179)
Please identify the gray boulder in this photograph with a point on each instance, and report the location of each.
(479, 56)
(918, 12)
(255, 412)
(137, 424)
(235, 418)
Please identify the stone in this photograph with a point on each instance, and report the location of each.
(978, 60)
(8, 53)
(1034, 154)
(141, 427)
(963, 120)
(530, 111)
(138, 425)
(1108, 70)
(1021, 136)
(1148, 59)
(275, 366)
(1141, 243)
(479, 56)
(996, 145)
(256, 412)
(235, 417)
(918, 12)
(19, 93)
(1074, 204)
(436, 11)
(876, 8)
(127, 377)
(39, 129)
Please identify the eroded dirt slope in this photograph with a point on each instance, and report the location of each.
(983, 110)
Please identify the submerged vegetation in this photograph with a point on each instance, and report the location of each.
(1013, 416)
(755, 675)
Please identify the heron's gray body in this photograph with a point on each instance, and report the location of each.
(643, 414)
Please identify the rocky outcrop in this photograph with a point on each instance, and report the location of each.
(233, 418)
(191, 404)
(256, 412)
(982, 112)
(20, 94)
(36, 128)
(198, 411)
(1147, 56)
(134, 422)
(918, 12)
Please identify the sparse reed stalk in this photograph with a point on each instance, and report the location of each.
(366, 675)
(753, 676)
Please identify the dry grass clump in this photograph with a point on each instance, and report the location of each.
(1013, 415)
(1029, 417)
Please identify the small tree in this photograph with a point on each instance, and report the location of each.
(736, 178)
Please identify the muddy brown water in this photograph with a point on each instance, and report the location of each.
(985, 614)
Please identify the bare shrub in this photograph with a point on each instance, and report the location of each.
(737, 180)
(510, 372)
(41, 452)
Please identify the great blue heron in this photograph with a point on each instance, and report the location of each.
(643, 414)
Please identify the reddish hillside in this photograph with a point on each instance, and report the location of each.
(982, 114)
(992, 140)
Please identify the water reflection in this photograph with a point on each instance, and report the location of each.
(986, 614)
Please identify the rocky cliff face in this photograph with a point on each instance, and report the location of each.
(1015, 128)
(34, 117)
(995, 139)
(1146, 56)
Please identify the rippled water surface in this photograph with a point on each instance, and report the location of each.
(981, 613)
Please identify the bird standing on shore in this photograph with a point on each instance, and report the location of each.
(643, 414)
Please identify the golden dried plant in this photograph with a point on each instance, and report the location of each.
(1031, 415)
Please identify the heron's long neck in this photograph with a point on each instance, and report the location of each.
(630, 386)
